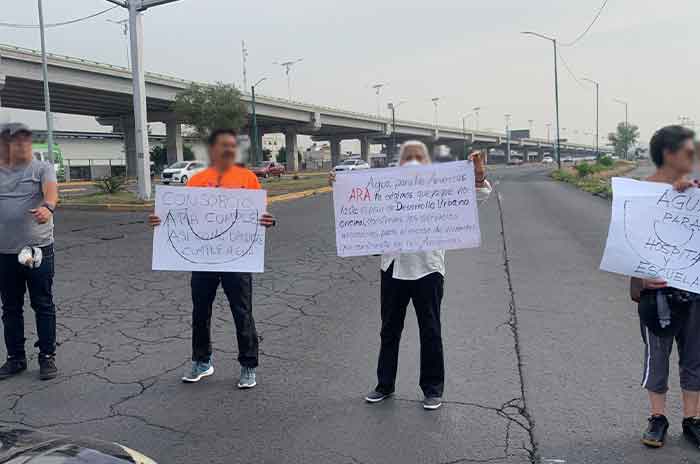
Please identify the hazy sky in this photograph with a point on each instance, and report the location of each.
(467, 52)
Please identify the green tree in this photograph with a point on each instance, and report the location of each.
(282, 155)
(159, 155)
(209, 107)
(624, 138)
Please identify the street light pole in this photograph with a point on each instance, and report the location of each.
(556, 90)
(287, 65)
(476, 111)
(138, 77)
(377, 90)
(508, 116)
(257, 155)
(47, 96)
(597, 114)
(124, 23)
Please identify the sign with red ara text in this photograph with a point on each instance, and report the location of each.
(406, 209)
(654, 233)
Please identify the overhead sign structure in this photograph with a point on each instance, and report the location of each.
(654, 233)
(209, 229)
(406, 209)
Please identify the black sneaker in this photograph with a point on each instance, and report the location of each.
(655, 434)
(12, 367)
(375, 397)
(691, 430)
(47, 367)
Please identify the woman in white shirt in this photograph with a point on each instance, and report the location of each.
(417, 277)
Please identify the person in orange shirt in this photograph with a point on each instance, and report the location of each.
(238, 286)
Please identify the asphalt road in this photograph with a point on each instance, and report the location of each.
(543, 352)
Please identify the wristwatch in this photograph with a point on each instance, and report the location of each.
(49, 207)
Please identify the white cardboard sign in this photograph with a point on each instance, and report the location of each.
(654, 233)
(406, 209)
(209, 229)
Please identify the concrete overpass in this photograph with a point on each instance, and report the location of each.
(104, 91)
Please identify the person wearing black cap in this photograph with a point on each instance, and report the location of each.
(28, 197)
(667, 313)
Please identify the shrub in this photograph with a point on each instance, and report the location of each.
(112, 184)
(606, 161)
(584, 169)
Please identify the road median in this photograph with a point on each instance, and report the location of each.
(594, 178)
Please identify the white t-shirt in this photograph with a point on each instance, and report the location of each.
(413, 266)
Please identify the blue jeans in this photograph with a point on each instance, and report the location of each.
(15, 280)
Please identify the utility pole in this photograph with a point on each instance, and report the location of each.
(508, 116)
(597, 115)
(464, 135)
(47, 96)
(287, 65)
(476, 111)
(143, 156)
(257, 154)
(556, 90)
(393, 107)
(124, 23)
(244, 54)
(377, 90)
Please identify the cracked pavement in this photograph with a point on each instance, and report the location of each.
(527, 320)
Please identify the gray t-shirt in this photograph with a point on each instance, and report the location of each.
(20, 191)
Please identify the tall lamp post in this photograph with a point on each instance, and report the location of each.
(476, 111)
(627, 124)
(378, 90)
(143, 157)
(257, 155)
(597, 114)
(47, 96)
(288, 65)
(508, 116)
(124, 23)
(556, 89)
(392, 107)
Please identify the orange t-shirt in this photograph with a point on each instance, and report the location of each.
(235, 177)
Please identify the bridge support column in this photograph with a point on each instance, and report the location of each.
(526, 155)
(364, 148)
(290, 143)
(335, 151)
(173, 131)
(129, 146)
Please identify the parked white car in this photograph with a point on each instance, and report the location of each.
(351, 165)
(182, 171)
(547, 160)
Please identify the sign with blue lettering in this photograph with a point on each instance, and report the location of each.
(209, 229)
(654, 233)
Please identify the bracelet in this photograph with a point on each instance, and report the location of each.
(47, 206)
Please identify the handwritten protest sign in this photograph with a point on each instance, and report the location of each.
(654, 233)
(209, 229)
(406, 209)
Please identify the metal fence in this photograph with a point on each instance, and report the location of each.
(93, 169)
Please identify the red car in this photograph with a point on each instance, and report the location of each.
(269, 169)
